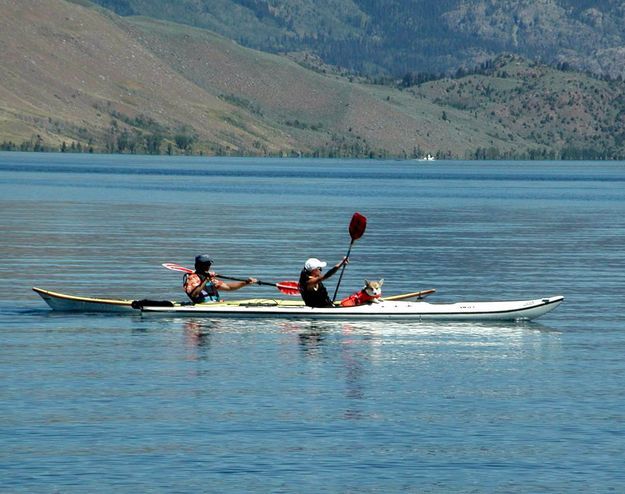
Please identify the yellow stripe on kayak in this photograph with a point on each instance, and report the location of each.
(82, 299)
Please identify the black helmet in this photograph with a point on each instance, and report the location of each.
(203, 263)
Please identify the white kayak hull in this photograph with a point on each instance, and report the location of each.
(399, 307)
(386, 310)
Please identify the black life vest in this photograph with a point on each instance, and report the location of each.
(316, 296)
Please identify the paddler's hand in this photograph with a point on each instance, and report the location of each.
(251, 281)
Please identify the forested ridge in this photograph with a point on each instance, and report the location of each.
(398, 36)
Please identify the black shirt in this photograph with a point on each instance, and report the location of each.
(316, 296)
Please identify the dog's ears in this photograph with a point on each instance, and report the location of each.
(381, 281)
(366, 282)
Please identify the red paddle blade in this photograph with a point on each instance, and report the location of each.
(288, 287)
(357, 226)
(176, 267)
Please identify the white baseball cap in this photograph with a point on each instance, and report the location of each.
(314, 263)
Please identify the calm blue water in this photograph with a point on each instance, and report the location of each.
(96, 403)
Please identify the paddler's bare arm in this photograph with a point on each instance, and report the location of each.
(235, 285)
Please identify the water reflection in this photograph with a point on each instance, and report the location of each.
(197, 337)
(198, 327)
(378, 329)
(355, 353)
(355, 359)
(311, 342)
(317, 339)
(311, 335)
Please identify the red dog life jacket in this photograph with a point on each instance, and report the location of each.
(358, 298)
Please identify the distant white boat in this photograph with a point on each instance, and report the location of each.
(427, 157)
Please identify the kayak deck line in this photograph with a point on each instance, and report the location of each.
(51, 296)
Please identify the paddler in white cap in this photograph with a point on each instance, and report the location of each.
(311, 278)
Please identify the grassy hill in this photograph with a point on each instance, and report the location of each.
(76, 73)
(77, 77)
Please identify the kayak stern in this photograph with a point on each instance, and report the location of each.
(71, 303)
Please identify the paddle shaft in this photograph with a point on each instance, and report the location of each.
(356, 229)
(342, 271)
(258, 282)
(286, 287)
(416, 295)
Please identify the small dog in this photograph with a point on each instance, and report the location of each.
(370, 293)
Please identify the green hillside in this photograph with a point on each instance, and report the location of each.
(565, 114)
(78, 78)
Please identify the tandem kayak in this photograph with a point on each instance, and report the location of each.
(409, 306)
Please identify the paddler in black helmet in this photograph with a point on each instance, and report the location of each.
(203, 285)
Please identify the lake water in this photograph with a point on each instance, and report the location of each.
(101, 403)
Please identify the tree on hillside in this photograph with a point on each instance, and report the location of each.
(153, 143)
(184, 142)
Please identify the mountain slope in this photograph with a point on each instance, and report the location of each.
(78, 74)
(69, 72)
(399, 36)
(78, 77)
(318, 110)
